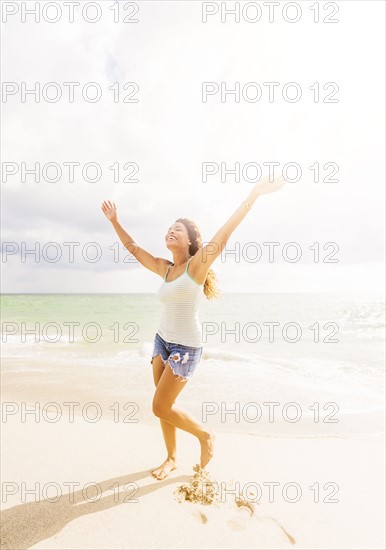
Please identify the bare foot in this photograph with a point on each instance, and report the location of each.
(164, 470)
(207, 448)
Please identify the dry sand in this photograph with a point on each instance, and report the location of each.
(133, 510)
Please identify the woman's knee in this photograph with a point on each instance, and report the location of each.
(160, 409)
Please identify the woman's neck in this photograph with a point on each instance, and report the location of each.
(179, 260)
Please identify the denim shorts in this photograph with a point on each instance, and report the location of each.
(183, 360)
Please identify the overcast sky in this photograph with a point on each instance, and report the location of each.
(170, 132)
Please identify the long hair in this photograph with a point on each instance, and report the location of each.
(211, 289)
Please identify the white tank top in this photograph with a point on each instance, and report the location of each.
(181, 300)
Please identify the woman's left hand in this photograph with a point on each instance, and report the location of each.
(265, 186)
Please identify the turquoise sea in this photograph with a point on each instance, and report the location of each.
(317, 355)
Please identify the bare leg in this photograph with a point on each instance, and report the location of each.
(168, 388)
(168, 430)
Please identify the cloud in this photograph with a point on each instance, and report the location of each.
(170, 132)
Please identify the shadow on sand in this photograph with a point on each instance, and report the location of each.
(24, 525)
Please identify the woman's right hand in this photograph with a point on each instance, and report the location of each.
(110, 210)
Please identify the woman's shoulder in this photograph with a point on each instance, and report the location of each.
(198, 269)
(163, 265)
(164, 262)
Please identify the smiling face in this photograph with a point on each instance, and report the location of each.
(177, 237)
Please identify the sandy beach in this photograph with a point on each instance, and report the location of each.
(204, 182)
(83, 481)
(78, 484)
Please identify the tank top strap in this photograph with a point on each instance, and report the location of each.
(172, 263)
(167, 271)
(187, 265)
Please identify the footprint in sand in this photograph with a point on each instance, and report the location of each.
(207, 513)
(198, 513)
(203, 517)
(239, 520)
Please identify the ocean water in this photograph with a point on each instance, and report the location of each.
(292, 364)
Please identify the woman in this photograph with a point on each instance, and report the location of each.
(177, 344)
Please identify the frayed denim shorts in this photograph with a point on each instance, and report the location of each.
(183, 360)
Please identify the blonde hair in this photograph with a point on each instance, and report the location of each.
(211, 289)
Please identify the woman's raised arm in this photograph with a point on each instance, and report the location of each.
(157, 265)
(216, 245)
